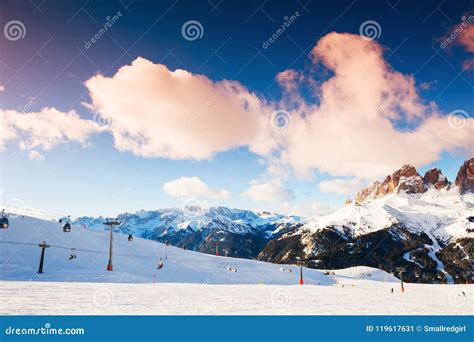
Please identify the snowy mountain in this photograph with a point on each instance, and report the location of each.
(424, 224)
(239, 233)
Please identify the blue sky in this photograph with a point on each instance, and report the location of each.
(49, 65)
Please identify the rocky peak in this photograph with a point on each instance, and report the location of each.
(465, 177)
(435, 177)
(407, 179)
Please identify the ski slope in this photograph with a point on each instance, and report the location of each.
(137, 261)
(361, 297)
(190, 283)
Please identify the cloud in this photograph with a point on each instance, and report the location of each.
(366, 119)
(35, 155)
(193, 187)
(45, 129)
(270, 192)
(341, 186)
(157, 112)
(461, 34)
(2, 88)
(369, 119)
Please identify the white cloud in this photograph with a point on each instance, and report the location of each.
(193, 187)
(45, 129)
(341, 186)
(35, 155)
(308, 209)
(2, 88)
(271, 192)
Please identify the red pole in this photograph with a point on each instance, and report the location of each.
(109, 265)
(217, 251)
(301, 275)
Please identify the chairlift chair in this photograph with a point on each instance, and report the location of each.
(73, 254)
(4, 224)
(67, 225)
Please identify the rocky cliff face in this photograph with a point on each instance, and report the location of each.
(465, 177)
(436, 178)
(406, 179)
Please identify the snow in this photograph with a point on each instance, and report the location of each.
(362, 297)
(134, 262)
(440, 213)
(189, 282)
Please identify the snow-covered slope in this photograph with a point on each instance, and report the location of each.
(440, 213)
(136, 261)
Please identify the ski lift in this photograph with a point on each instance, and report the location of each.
(73, 254)
(4, 221)
(67, 225)
(130, 237)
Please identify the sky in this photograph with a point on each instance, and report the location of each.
(117, 106)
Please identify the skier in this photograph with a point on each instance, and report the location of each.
(130, 237)
(391, 290)
(160, 264)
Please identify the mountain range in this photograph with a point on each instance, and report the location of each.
(423, 225)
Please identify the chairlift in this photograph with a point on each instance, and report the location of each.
(67, 225)
(4, 224)
(73, 254)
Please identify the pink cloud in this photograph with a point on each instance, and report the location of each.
(352, 132)
(157, 112)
